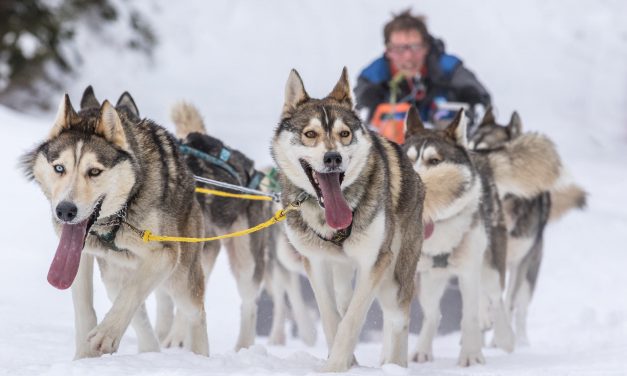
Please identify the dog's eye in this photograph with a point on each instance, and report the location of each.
(344, 134)
(59, 169)
(93, 172)
(311, 134)
(433, 161)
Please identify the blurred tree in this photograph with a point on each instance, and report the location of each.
(35, 44)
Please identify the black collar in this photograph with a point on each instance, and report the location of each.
(441, 260)
(113, 221)
(339, 236)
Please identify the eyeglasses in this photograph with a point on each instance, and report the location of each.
(398, 49)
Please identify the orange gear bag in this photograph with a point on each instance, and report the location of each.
(389, 120)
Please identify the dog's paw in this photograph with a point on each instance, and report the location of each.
(422, 357)
(173, 340)
(308, 335)
(277, 339)
(85, 352)
(470, 358)
(338, 365)
(104, 340)
(505, 341)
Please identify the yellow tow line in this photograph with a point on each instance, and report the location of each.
(148, 236)
(233, 195)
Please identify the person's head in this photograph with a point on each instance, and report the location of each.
(406, 42)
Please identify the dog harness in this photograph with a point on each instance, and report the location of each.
(114, 221)
(221, 160)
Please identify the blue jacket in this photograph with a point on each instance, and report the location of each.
(446, 79)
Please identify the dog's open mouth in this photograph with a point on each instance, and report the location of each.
(337, 212)
(68, 255)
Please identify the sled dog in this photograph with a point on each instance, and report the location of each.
(361, 217)
(102, 168)
(208, 157)
(526, 220)
(469, 240)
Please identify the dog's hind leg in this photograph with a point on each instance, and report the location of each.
(529, 275)
(503, 333)
(165, 314)
(278, 281)
(395, 323)
(244, 257)
(304, 321)
(83, 299)
(343, 279)
(430, 290)
(186, 286)
(321, 279)
(114, 279)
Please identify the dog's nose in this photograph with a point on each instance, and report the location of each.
(66, 211)
(332, 159)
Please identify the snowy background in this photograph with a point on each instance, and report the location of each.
(562, 65)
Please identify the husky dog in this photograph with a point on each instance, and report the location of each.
(469, 235)
(246, 253)
(466, 220)
(101, 169)
(526, 220)
(362, 211)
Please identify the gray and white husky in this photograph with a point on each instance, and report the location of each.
(361, 218)
(526, 219)
(465, 217)
(102, 168)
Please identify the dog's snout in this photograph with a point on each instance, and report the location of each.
(332, 159)
(66, 211)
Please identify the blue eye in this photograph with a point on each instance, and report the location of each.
(59, 169)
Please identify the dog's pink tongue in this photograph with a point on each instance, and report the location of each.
(336, 210)
(428, 228)
(65, 263)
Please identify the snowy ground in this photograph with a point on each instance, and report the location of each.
(562, 67)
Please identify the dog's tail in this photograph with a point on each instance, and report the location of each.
(186, 119)
(566, 198)
(527, 166)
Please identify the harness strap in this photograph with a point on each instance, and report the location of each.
(211, 159)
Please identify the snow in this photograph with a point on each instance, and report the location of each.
(562, 66)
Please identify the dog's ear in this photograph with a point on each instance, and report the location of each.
(295, 93)
(127, 101)
(515, 126)
(488, 117)
(65, 117)
(89, 99)
(110, 127)
(342, 91)
(413, 123)
(457, 129)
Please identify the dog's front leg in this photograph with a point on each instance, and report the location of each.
(83, 299)
(469, 284)
(105, 338)
(368, 278)
(321, 280)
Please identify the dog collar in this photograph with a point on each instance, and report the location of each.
(115, 222)
(339, 236)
